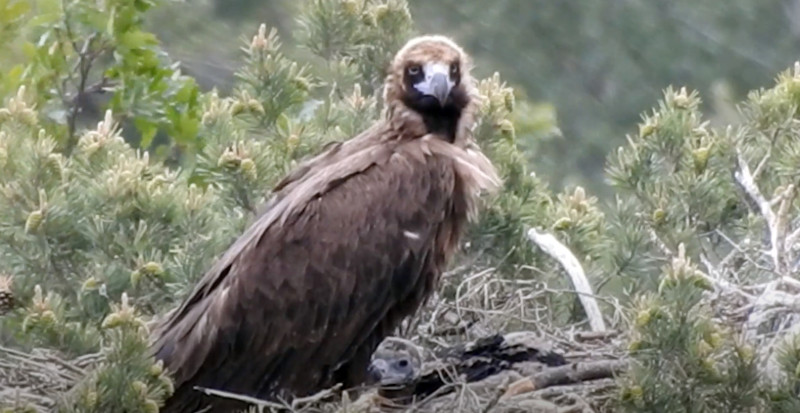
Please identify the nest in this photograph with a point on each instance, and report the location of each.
(471, 360)
(34, 381)
(489, 346)
(526, 378)
(520, 371)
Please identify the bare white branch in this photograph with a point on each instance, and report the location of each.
(762, 164)
(745, 179)
(553, 247)
(775, 222)
(785, 198)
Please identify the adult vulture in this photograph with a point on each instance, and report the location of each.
(353, 241)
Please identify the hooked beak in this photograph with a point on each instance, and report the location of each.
(376, 370)
(437, 82)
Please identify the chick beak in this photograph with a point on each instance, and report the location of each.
(437, 82)
(377, 370)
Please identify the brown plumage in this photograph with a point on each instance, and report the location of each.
(353, 241)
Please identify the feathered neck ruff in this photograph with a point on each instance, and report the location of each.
(405, 125)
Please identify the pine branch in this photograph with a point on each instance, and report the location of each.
(776, 221)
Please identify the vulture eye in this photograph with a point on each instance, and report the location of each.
(414, 70)
(454, 68)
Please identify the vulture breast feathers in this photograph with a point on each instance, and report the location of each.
(353, 241)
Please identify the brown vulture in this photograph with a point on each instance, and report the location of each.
(352, 242)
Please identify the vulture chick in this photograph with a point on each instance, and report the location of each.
(352, 242)
(395, 368)
(403, 375)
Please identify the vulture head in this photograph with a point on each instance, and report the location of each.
(429, 88)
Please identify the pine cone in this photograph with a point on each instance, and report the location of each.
(6, 295)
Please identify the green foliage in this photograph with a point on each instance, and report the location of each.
(124, 377)
(500, 235)
(783, 396)
(75, 50)
(275, 83)
(45, 325)
(672, 179)
(13, 15)
(98, 222)
(364, 34)
(724, 198)
(684, 361)
(681, 181)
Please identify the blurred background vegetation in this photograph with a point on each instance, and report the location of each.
(583, 70)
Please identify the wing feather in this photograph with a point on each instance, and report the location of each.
(314, 279)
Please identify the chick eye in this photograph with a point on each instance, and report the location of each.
(402, 363)
(414, 70)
